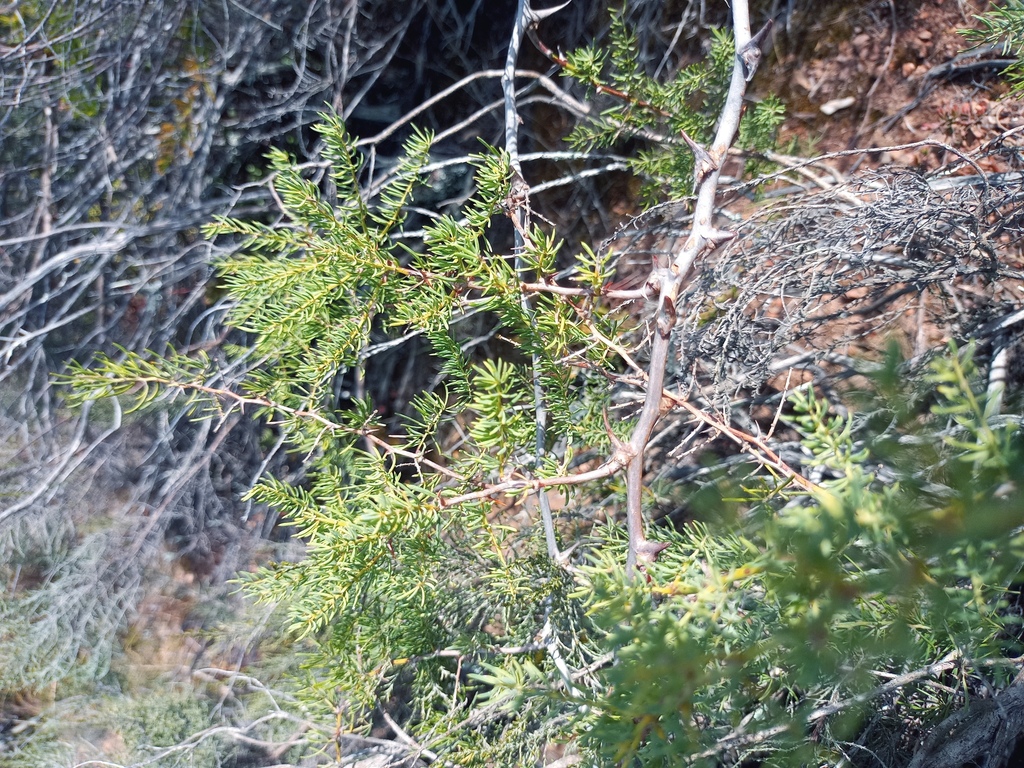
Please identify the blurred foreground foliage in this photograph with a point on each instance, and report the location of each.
(779, 613)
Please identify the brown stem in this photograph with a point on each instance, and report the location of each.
(703, 237)
(327, 424)
(607, 469)
(650, 413)
(563, 290)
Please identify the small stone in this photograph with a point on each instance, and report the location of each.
(925, 35)
(862, 41)
(833, 106)
(908, 68)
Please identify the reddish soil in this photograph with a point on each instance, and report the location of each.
(891, 81)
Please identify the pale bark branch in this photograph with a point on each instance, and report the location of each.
(703, 237)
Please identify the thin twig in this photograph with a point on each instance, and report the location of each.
(408, 740)
(330, 426)
(518, 210)
(737, 738)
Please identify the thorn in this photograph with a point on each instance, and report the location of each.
(750, 54)
(667, 308)
(648, 551)
(518, 198)
(563, 557)
(535, 17)
(704, 163)
(716, 237)
(655, 279)
(652, 287)
(667, 316)
(623, 451)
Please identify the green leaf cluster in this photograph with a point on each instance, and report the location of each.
(1003, 26)
(643, 106)
(404, 587)
(419, 585)
(783, 602)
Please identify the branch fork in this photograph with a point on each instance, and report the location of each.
(534, 17)
(703, 238)
(665, 279)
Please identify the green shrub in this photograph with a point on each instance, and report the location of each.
(772, 618)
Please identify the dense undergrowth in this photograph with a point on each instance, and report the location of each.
(837, 576)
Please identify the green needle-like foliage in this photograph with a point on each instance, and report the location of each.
(426, 585)
(402, 585)
(752, 622)
(641, 105)
(1003, 25)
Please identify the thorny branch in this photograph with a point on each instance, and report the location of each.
(703, 238)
